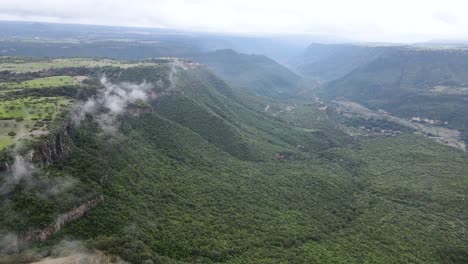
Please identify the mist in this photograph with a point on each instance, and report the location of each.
(111, 101)
(25, 175)
(66, 251)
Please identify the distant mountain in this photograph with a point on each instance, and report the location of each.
(331, 61)
(128, 50)
(281, 48)
(256, 73)
(278, 47)
(444, 42)
(411, 82)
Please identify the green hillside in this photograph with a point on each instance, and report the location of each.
(326, 62)
(210, 176)
(209, 173)
(411, 82)
(255, 73)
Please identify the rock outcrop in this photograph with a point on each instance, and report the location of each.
(60, 221)
(48, 150)
(53, 148)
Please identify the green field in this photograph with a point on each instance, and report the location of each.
(54, 81)
(5, 141)
(21, 65)
(32, 108)
(28, 117)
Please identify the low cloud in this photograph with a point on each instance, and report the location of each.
(9, 242)
(66, 251)
(20, 173)
(112, 101)
(24, 174)
(76, 252)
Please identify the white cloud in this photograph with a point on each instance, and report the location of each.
(114, 98)
(366, 20)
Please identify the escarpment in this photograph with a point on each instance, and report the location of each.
(61, 221)
(21, 241)
(53, 148)
(44, 152)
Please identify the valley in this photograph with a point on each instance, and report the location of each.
(430, 128)
(132, 150)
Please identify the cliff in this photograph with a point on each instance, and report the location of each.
(19, 242)
(44, 152)
(60, 221)
(53, 148)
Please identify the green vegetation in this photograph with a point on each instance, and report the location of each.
(211, 176)
(410, 82)
(255, 73)
(5, 141)
(54, 81)
(28, 117)
(31, 65)
(332, 61)
(29, 108)
(188, 200)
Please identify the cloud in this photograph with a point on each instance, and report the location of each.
(8, 242)
(66, 251)
(367, 20)
(69, 251)
(21, 173)
(112, 101)
(25, 174)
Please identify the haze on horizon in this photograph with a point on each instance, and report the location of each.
(358, 20)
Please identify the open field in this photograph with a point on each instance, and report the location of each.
(6, 141)
(53, 81)
(28, 117)
(21, 65)
(32, 108)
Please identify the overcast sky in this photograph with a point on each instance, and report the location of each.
(360, 20)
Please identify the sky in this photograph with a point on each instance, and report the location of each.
(358, 20)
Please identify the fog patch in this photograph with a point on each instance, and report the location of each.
(65, 252)
(25, 175)
(176, 66)
(112, 101)
(9, 242)
(74, 252)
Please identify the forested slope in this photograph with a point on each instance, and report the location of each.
(200, 173)
(411, 82)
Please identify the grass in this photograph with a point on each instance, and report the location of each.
(34, 66)
(32, 108)
(28, 117)
(6, 141)
(54, 81)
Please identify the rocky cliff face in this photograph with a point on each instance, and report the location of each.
(54, 148)
(15, 243)
(61, 221)
(45, 152)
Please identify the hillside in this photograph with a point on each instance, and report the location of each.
(326, 62)
(255, 73)
(186, 169)
(411, 82)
